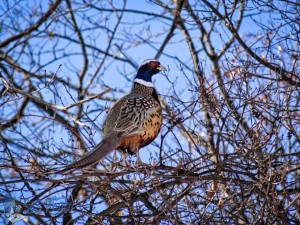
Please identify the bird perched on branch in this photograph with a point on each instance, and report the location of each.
(133, 122)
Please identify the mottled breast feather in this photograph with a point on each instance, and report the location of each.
(134, 113)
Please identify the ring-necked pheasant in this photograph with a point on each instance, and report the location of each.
(133, 122)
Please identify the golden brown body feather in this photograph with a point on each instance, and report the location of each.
(138, 122)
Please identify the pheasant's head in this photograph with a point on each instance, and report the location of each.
(148, 68)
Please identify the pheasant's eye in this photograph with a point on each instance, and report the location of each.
(153, 65)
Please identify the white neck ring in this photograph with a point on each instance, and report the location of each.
(145, 83)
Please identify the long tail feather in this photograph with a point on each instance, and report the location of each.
(100, 151)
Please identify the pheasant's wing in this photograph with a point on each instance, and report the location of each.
(133, 114)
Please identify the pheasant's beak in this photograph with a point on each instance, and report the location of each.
(161, 68)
